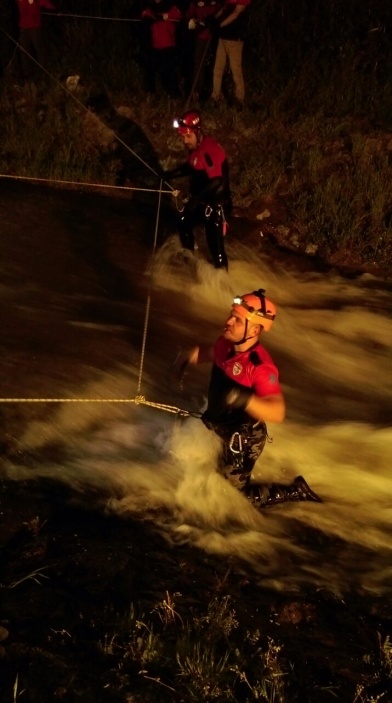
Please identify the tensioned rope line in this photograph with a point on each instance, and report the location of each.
(81, 183)
(91, 17)
(199, 69)
(96, 17)
(79, 102)
(139, 399)
(148, 304)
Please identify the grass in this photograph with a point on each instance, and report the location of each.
(381, 664)
(46, 139)
(206, 657)
(345, 198)
(320, 102)
(199, 657)
(332, 177)
(35, 576)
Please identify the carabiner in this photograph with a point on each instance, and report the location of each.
(234, 437)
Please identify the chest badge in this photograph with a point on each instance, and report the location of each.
(237, 368)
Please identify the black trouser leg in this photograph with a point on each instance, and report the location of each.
(240, 451)
(28, 67)
(185, 231)
(32, 42)
(168, 71)
(215, 224)
(149, 71)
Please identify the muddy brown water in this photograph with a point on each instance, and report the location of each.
(106, 504)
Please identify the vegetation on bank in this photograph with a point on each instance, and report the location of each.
(198, 653)
(197, 646)
(212, 657)
(314, 138)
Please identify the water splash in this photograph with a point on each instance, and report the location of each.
(331, 341)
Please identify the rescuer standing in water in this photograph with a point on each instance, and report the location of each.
(210, 199)
(244, 395)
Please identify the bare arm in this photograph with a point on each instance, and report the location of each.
(196, 355)
(272, 408)
(199, 355)
(233, 16)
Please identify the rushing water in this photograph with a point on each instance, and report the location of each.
(81, 285)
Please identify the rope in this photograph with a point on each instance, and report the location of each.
(95, 17)
(201, 64)
(148, 304)
(91, 17)
(73, 96)
(81, 183)
(138, 400)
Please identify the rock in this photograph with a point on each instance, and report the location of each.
(72, 82)
(295, 612)
(263, 215)
(283, 231)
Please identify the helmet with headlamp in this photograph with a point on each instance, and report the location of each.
(255, 308)
(188, 123)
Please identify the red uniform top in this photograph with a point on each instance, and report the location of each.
(253, 369)
(199, 10)
(30, 13)
(209, 172)
(163, 32)
(208, 156)
(262, 376)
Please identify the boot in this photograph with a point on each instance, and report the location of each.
(265, 496)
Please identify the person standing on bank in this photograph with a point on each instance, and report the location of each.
(30, 34)
(230, 25)
(244, 395)
(197, 15)
(210, 198)
(162, 17)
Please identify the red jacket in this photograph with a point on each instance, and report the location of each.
(199, 10)
(30, 12)
(253, 369)
(163, 32)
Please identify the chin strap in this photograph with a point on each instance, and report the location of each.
(245, 338)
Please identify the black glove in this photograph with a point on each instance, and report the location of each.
(238, 398)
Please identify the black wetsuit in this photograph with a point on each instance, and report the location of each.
(210, 203)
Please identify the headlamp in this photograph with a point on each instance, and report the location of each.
(238, 300)
(176, 124)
